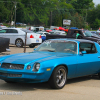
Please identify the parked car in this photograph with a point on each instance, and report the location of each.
(43, 35)
(84, 34)
(98, 31)
(2, 27)
(94, 33)
(17, 37)
(4, 44)
(57, 32)
(55, 61)
(73, 28)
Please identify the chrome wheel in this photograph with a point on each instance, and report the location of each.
(58, 77)
(19, 43)
(61, 77)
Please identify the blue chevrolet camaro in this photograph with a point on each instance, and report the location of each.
(55, 61)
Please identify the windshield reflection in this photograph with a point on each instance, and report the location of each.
(58, 46)
(87, 33)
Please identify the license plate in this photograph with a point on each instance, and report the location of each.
(37, 40)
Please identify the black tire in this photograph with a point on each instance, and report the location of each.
(19, 43)
(99, 75)
(58, 78)
(31, 46)
(9, 81)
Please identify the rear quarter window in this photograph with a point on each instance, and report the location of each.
(88, 47)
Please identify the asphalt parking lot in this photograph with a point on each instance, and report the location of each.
(84, 88)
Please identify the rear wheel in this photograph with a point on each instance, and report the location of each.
(58, 78)
(19, 43)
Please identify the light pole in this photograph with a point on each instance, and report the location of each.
(15, 15)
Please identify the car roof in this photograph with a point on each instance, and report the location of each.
(74, 40)
(12, 28)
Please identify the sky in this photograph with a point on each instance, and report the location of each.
(96, 2)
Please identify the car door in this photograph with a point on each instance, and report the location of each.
(12, 34)
(88, 63)
(9, 33)
(3, 33)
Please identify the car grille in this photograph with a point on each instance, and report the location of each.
(10, 75)
(12, 66)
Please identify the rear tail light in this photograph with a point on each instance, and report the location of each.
(99, 33)
(40, 36)
(31, 36)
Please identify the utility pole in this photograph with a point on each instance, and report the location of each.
(51, 18)
(15, 3)
(15, 15)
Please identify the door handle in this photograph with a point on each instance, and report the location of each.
(98, 56)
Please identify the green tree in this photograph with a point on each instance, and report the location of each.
(96, 23)
(4, 12)
(93, 17)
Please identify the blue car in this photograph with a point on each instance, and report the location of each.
(55, 61)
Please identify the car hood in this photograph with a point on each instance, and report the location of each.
(24, 58)
(94, 38)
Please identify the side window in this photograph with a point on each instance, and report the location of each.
(15, 31)
(88, 47)
(12, 31)
(75, 33)
(3, 31)
(9, 31)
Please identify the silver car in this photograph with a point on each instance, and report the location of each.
(17, 37)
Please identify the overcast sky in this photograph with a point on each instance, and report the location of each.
(96, 2)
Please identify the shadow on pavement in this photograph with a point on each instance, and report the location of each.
(35, 86)
(75, 80)
(23, 86)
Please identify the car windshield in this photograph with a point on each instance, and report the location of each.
(28, 31)
(87, 34)
(58, 46)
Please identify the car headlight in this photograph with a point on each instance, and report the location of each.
(36, 67)
(28, 67)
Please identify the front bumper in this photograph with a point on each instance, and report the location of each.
(21, 76)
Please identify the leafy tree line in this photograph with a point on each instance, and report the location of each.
(82, 13)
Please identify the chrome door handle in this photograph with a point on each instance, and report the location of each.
(98, 56)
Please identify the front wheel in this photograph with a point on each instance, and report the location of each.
(58, 78)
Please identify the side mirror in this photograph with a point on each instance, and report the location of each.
(83, 52)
